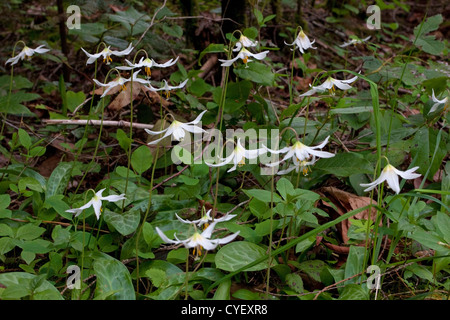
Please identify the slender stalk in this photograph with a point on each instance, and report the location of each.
(269, 260)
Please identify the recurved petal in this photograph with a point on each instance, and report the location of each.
(164, 237)
(408, 174)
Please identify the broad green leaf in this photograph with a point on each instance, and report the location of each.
(256, 72)
(428, 43)
(59, 179)
(123, 139)
(74, 99)
(173, 30)
(312, 268)
(125, 223)
(59, 205)
(24, 138)
(354, 292)
(5, 200)
(345, 164)
(223, 291)
(212, 48)
(21, 284)
(29, 232)
(285, 188)
(113, 276)
(157, 276)
(238, 254)
(295, 282)
(354, 263)
(262, 195)
(141, 159)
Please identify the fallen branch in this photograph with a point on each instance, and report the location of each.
(109, 123)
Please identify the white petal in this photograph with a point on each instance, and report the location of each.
(199, 117)
(123, 52)
(408, 174)
(114, 198)
(164, 237)
(227, 63)
(350, 80)
(97, 204)
(208, 231)
(392, 181)
(341, 85)
(260, 55)
(227, 239)
(156, 132)
(184, 221)
(169, 63)
(168, 133)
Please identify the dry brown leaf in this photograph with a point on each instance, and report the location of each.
(345, 202)
(124, 97)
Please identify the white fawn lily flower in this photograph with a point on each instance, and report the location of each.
(354, 42)
(329, 85)
(303, 165)
(119, 81)
(26, 53)
(238, 156)
(244, 54)
(178, 129)
(167, 88)
(302, 42)
(244, 42)
(301, 152)
(147, 63)
(390, 174)
(107, 53)
(437, 102)
(206, 218)
(96, 202)
(199, 240)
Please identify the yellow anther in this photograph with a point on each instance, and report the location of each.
(245, 59)
(148, 71)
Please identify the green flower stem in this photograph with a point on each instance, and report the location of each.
(139, 232)
(131, 125)
(269, 262)
(98, 139)
(220, 113)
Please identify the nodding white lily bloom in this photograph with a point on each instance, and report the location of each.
(96, 202)
(301, 152)
(244, 54)
(329, 85)
(354, 42)
(206, 218)
(238, 156)
(303, 165)
(178, 129)
(147, 63)
(437, 102)
(167, 88)
(107, 53)
(199, 240)
(302, 42)
(390, 174)
(244, 42)
(26, 53)
(119, 81)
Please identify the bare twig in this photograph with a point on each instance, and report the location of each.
(152, 22)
